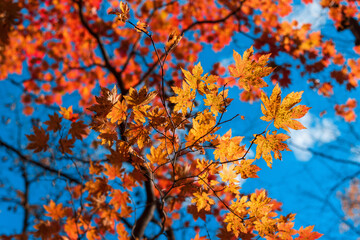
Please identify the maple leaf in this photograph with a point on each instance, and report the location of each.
(72, 228)
(45, 229)
(285, 230)
(192, 209)
(228, 148)
(141, 27)
(68, 114)
(142, 97)
(53, 123)
(66, 144)
(78, 130)
(112, 171)
(234, 224)
(247, 169)
(118, 112)
(38, 140)
(119, 199)
(308, 234)
(139, 134)
(224, 234)
(157, 155)
(203, 201)
(173, 40)
(265, 226)
(140, 112)
(193, 78)
(272, 142)
(202, 129)
(124, 14)
(228, 174)
(56, 212)
(95, 168)
(121, 231)
(217, 101)
(184, 99)
(105, 102)
(120, 155)
(283, 112)
(250, 72)
(259, 204)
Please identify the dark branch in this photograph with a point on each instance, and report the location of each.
(102, 48)
(38, 164)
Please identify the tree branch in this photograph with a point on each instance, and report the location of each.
(102, 48)
(38, 164)
(143, 221)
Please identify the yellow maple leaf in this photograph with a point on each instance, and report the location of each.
(68, 114)
(157, 155)
(228, 174)
(283, 113)
(123, 14)
(173, 40)
(202, 129)
(249, 71)
(203, 201)
(247, 169)
(271, 143)
(184, 99)
(228, 148)
(193, 78)
(217, 101)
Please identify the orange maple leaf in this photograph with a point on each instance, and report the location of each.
(272, 142)
(347, 110)
(118, 112)
(249, 71)
(308, 234)
(247, 169)
(68, 114)
(119, 199)
(54, 211)
(157, 155)
(112, 171)
(141, 27)
(283, 112)
(38, 140)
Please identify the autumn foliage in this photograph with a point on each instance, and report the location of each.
(165, 147)
(154, 121)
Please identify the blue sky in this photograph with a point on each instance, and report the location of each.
(307, 183)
